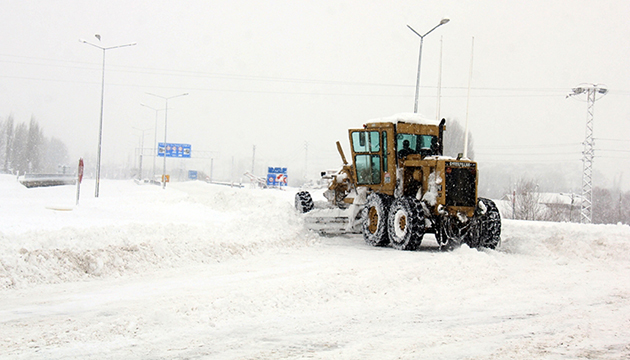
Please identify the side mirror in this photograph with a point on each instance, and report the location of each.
(460, 156)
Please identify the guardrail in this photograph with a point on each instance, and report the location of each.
(41, 180)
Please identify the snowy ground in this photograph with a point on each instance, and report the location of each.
(207, 271)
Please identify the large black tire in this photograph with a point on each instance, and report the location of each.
(489, 224)
(452, 233)
(304, 202)
(405, 223)
(482, 231)
(375, 219)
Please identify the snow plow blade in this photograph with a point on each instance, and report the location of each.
(332, 221)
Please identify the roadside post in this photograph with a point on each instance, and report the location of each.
(79, 178)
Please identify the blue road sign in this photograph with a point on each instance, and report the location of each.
(174, 150)
(277, 176)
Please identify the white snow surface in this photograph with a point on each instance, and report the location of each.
(201, 271)
(407, 117)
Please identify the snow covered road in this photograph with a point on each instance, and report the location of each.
(200, 271)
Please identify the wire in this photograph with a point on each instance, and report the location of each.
(198, 74)
(602, 139)
(532, 161)
(613, 157)
(535, 146)
(627, 151)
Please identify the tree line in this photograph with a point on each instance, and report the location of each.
(25, 149)
(528, 203)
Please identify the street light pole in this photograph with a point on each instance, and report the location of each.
(154, 137)
(165, 128)
(100, 126)
(442, 22)
(141, 151)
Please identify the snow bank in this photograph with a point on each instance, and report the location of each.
(566, 241)
(407, 117)
(136, 228)
(133, 228)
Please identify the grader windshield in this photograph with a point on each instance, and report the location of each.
(408, 144)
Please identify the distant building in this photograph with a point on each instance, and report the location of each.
(541, 206)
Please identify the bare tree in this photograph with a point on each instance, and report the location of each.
(527, 201)
(25, 148)
(7, 135)
(624, 208)
(34, 147)
(55, 154)
(19, 161)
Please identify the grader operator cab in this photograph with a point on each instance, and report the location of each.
(400, 187)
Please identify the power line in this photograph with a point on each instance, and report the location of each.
(603, 139)
(189, 88)
(201, 74)
(531, 146)
(530, 161)
(614, 150)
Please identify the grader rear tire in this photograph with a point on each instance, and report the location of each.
(489, 223)
(406, 224)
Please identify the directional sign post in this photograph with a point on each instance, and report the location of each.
(173, 150)
(277, 176)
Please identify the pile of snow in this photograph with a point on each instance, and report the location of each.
(567, 242)
(45, 238)
(210, 272)
(407, 117)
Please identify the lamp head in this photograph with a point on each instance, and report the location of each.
(444, 21)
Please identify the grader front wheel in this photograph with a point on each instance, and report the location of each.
(375, 219)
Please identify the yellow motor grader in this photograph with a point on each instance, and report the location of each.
(400, 187)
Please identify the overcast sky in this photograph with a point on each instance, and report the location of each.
(289, 75)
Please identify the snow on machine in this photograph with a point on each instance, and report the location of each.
(400, 187)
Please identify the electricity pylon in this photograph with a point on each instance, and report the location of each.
(591, 91)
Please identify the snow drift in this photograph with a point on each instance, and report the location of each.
(136, 228)
(207, 271)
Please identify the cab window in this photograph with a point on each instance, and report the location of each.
(407, 144)
(364, 141)
(368, 169)
(367, 161)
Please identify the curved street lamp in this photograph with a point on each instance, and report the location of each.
(100, 127)
(154, 137)
(141, 151)
(165, 127)
(442, 22)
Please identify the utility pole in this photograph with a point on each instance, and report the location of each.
(305, 160)
(253, 158)
(211, 168)
(591, 91)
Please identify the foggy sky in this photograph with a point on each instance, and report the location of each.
(290, 77)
